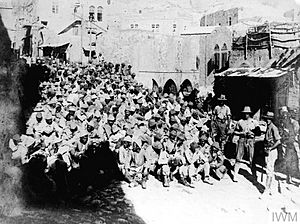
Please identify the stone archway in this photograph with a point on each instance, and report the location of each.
(155, 86)
(224, 57)
(186, 85)
(170, 87)
(217, 57)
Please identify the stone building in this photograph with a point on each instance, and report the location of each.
(170, 61)
(171, 20)
(8, 18)
(159, 24)
(53, 24)
(166, 17)
(229, 13)
(227, 17)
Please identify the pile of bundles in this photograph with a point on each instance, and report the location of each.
(148, 132)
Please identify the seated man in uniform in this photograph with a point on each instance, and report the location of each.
(202, 163)
(216, 161)
(79, 148)
(139, 165)
(124, 157)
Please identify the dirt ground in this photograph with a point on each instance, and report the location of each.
(224, 202)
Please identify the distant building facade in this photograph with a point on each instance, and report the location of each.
(171, 61)
(52, 24)
(160, 17)
(227, 17)
(172, 21)
(8, 18)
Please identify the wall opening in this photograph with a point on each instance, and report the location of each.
(99, 14)
(92, 12)
(155, 86)
(186, 86)
(197, 62)
(217, 58)
(224, 53)
(170, 87)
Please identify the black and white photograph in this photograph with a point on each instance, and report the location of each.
(149, 111)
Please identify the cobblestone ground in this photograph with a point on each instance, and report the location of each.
(108, 205)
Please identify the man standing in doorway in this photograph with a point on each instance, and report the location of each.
(220, 120)
(246, 129)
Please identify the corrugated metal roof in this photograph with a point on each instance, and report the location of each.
(255, 72)
(73, 24)
(287, 59)
(54, 44)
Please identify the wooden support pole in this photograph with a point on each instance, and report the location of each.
(270, 42)
(246, 46)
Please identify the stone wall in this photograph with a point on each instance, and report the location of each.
(219, 36)
(11, 122)
(220, 17)
(255, 58)
(161, 57)
(153, 56)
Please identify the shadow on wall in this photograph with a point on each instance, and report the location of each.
(30, 79)
(5, 46)
(11, 123)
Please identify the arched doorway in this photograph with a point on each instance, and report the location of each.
(224, 52)
(170, 87)
(186, 86)
(217, 57)
(155, 87)
(187, 91)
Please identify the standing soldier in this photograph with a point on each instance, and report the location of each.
(289, 130)
(246, 129)
(220, 120)
(272, 141)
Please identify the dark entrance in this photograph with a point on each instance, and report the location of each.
(170, 87)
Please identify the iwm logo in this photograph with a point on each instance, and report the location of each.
(285, 217)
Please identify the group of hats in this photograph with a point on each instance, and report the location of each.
(268, 115)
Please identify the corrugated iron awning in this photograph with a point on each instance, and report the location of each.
(255, 72)
(54, 45)
(73, 24)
